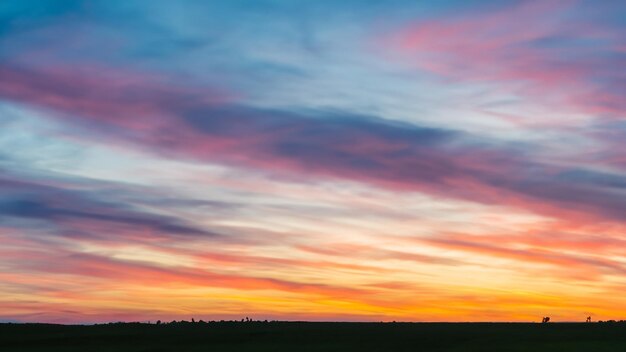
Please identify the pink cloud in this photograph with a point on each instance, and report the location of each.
(589, 267)
(138, 101)
(505, 47)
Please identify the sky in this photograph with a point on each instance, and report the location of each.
(312, 160)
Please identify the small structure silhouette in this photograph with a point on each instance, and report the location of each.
(588, 319)
(545, 319)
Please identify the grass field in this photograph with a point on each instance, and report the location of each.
(300, 337)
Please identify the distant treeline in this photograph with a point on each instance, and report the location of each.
(248, 320)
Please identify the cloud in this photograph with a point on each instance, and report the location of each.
(589, 266)
(378, 254)
(74, 210)
(179, 122)
(549, 51)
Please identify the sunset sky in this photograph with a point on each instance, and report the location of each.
(312, 160)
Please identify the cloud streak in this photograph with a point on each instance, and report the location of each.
(78, 212)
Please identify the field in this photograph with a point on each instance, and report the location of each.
(301, 337)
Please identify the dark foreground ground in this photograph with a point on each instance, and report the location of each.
(300, 337)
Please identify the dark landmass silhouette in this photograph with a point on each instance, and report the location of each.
(276, 336)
